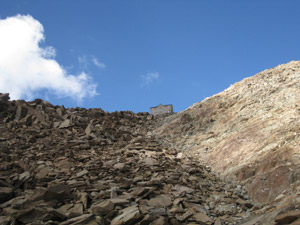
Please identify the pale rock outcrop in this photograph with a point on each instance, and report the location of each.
(249, 132)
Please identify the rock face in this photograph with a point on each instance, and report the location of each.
(249, 132)
(78, 166)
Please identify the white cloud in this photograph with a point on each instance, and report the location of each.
(98, 63)
(26, 68)
(149, 78)
(85, 61)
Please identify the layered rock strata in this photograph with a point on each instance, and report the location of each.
(250, 132)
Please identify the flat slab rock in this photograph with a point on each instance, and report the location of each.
(161, 200)
(130, 216)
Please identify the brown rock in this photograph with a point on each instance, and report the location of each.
(52, 214)
(218, 221)
(10, 211)
(43, 173)
(6, 194)
(4, 98)
(127, 137)
(177, 201)
(82, 173)
(160, 221)
(84, 199)
(174, 221)
(130, 216)
(64, 164)
(114, 192)
(288, 217)
(76, 183)
(186, 215)
(150, 162)
(58, 192)
(88, 219)
(109, 163)
(67, 123)
(181, 188)
(5, 220)
(202, 218)
(103, 207)
(24, 176)
(21, 113)
(119, 201)
(64, 209)
(296, 222)
(31, 215)
(176, 210)
(161, 200)
(119, 166)
(60, 111)
(16, 202)
(89, 129)
(75, 211)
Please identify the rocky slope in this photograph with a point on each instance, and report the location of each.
(249, 132)
(78, 166)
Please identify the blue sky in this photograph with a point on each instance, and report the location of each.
(136, 54)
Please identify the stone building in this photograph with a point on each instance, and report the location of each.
(161, 109)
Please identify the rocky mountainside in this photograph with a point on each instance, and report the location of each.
(78, 166)
(230, 159)
(250, 132)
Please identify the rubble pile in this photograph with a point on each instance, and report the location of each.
(79, 166)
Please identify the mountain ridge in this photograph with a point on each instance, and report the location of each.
(236, 130)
